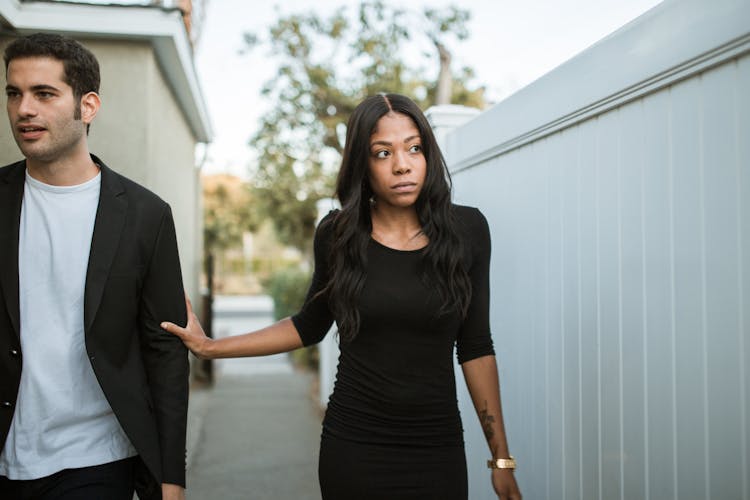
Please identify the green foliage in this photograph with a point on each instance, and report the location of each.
(449, 21)
(227, 213)
(306, 357)
(327, 65)
(287, 287)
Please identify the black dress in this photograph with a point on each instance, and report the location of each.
(392, 429)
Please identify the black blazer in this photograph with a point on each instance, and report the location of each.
(133, 282)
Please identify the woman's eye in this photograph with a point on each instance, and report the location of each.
(415, 148)
(382, 154)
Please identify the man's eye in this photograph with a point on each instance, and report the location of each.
(45, 95)
(11, 93)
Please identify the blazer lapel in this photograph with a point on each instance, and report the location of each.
(108, 226)
(11, 197)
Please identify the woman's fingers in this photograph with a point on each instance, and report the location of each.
(191, 339)
(189, 305)
(171, 328)
(174, 330)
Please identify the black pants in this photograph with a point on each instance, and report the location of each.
(111, 481)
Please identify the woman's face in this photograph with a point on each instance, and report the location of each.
(396, 165)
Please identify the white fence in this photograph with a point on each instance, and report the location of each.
(617, 188)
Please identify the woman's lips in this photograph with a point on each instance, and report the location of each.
(404, 187)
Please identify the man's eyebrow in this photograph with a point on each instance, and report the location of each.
(35, 88)
(44, 86)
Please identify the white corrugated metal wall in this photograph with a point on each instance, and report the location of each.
(617, 188)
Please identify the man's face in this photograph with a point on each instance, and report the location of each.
(42, 110)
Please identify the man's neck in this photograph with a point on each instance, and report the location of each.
(69, 171)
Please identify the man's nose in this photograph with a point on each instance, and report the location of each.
(27, 106)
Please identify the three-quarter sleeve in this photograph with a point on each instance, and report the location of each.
(315, 318)
(474, 338)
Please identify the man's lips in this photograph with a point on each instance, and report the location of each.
(30, 132)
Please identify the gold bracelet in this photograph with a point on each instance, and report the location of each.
(502, 463)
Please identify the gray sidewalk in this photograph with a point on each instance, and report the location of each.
(254, 437)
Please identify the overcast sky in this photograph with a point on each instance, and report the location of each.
(511, 44)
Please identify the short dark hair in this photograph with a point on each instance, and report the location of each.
(80, 67)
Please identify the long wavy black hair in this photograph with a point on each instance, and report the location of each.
(442, 258)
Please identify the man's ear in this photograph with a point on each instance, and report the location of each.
(90, 104)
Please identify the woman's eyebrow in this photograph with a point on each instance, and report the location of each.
(386, 143)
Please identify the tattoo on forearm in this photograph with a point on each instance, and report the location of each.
(486, 420)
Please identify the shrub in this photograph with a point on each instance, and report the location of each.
(288, 287)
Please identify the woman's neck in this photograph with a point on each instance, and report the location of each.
(399, 229)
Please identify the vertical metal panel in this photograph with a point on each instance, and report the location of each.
(590, 365)
(535, 272)
(632, 286)
(569, 298)
(608, 285)
(688, 283)
(659, 346)
(720, 297)
(550, 148)
(741, 132)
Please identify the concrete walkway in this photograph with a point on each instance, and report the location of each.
(254, 437)
(255, 434)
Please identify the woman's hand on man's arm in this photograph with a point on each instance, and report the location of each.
(279, 337)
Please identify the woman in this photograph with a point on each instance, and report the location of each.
(405, 275)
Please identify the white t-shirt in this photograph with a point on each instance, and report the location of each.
(62, 419)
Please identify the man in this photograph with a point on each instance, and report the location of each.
(93, 394)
